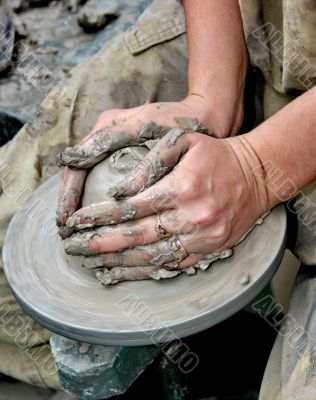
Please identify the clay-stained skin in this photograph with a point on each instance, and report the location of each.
(115, 275)
(107, 213)
(157, 163)
(162, 259)
(114, 271)
(174, 135)
(69, 198)
(191, 124)
(109, 277)
(78, 244)
(98, 145)
(165, 252)
(146, 174)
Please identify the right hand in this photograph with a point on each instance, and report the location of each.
(115, 129)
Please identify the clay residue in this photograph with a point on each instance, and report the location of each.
(191, 124)
(43, 120)
(112, 276)
(163, 270)
(105, 141)
(78, 244)
(151, 130)
(174, 135)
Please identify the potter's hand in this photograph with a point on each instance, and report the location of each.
(205, 204)
(119, 128)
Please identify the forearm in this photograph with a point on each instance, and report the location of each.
(217, 57)
(281, 151)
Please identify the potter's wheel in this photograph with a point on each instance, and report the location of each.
(66, 299)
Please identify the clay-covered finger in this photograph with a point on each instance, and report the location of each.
(78, 243)
(106, 213)
(142, 231)
(115, 238)
(130, 234)
(157, 163)
(69, 197)
(101, 261)
(190, 261)
(168, 253)
(99, 144)
(112, 276)
(157, 198)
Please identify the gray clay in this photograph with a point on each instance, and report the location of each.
(111, 171)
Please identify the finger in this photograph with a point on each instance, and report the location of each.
(165, 252)
(157, 163)
(77, 244)
(190, 261)
(119, 274)
(100, 262)
(202, 261)
(169, 252)
(130, 234)
(112, 239)
(159, 197)
(99, 144)
(69, 197)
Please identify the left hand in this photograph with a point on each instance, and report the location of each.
(206, 202)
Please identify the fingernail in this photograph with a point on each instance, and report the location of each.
(71, 222)
(65, 232)
(92, 262)
(112, 192)
(77, 245)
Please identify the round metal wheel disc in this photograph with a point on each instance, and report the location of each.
(57, 292)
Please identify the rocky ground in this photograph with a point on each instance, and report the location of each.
(41, 40)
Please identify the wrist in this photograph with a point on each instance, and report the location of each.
(221, 120)
(253, 170)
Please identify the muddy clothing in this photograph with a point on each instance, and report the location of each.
(147, 63)
(280, 38)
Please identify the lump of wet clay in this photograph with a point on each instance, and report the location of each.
(103, 176)
(111, 171)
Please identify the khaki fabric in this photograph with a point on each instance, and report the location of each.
(280, 41)
(147, 63)
(290, 372)
(280, 36)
